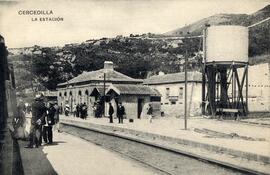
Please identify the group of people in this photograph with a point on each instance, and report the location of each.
(97, 109)
(120, 112)
(42, 121)
(80, 110)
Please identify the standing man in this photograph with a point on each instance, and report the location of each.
(74, 110)
(150, 113)
(80, 110)
(37, 120)
(56, 116)
(49, 119)
(111, 111)
(77, 110)
(120, 112)
(84, 111)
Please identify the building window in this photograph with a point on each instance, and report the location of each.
(173, 103)
(155, 99)
(167, 92)
(166, 103)
(181, 91)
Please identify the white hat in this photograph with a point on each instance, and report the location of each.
(38, 96)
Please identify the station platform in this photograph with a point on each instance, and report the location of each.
(69, 155)
(230, 142)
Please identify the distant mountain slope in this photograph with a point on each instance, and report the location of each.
(221, 19)
(196, 28)
(259, 36)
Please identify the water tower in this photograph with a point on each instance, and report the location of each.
(223, 84)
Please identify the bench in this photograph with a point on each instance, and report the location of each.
(233, 112)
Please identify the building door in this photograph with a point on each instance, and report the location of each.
(140, 107)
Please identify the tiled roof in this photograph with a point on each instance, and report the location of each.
(132, 89)
(173, 78)
(98, 75)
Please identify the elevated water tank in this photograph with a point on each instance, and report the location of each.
(225, 44)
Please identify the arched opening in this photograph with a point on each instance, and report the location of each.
(80, 96)
(70, 101)
(87, 99)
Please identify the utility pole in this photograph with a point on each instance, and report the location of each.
(186, 91)
(104, 96)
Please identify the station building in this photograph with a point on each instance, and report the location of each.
(258, 87)
(172, 90)
(110, 86)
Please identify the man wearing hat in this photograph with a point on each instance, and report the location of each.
(120, 112)
(37, 120)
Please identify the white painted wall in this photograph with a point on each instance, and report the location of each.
(258, 87)
(194, 93)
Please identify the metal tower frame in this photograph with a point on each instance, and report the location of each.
(223, 88)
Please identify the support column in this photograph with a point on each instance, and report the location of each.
(203, 91)
(247, 90)
(212, 89)
(223, 88)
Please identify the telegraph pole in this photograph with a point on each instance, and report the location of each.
(104, 91)
(186, 91)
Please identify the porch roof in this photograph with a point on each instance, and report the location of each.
(131, 89)
(174, 78)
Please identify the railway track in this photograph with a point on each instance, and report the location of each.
(162, 160)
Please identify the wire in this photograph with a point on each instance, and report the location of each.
(260, 22)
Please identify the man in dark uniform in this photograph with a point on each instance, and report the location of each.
(77, 110)
(120, 112)
(37, 120)
(49, 120)
(111, 111)
(84, 111)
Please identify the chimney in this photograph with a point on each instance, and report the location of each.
(108, 65)
(161, 73)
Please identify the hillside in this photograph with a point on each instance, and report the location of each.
(137, 56)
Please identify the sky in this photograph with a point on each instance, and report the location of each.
(92, 19)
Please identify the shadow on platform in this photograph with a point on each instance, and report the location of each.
(54, 143)
(35, 161)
